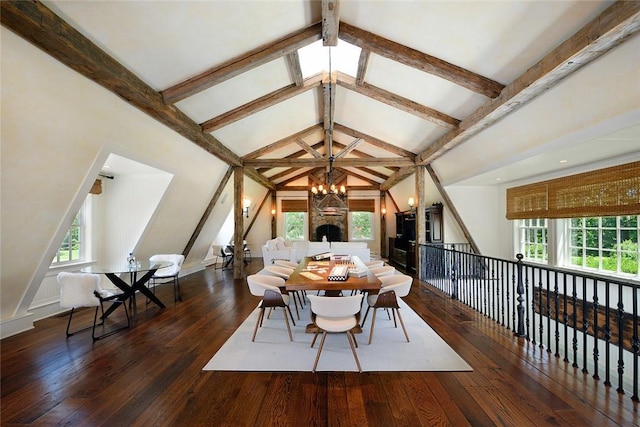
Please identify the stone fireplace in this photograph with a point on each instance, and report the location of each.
(332, 226)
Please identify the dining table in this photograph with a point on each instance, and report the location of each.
(315, 275)
(116, 272)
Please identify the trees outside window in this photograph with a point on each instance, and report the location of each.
(533, 239)
(72, 248)
(294, 225)
(361, 226)
(608, 244)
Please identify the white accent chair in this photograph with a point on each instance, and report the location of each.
(285, 263)
(283, 273)
(84, 290)
(387, 270)
(268, 288)
(278, 248)
(168, 274)
(335, 315)
(394, 287)
(374, 264)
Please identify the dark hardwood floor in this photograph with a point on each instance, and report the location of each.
(151, 374)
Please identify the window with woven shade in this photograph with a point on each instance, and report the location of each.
(362, 205)
(293, 205)
(611, 191)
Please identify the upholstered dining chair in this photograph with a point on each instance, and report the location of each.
(335, 315)
(284, 273)
(374, 264)
(285, 263)
(83, 290)
(168, 274)
(393, 287)
(386, 270)
(268, 288)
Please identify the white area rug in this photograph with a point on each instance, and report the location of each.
(389, 351)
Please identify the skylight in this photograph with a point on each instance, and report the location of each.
(314, 58)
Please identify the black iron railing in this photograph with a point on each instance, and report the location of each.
(590, 321)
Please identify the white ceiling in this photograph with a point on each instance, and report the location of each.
(166, 42)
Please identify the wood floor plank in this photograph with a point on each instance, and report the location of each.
(152, 374)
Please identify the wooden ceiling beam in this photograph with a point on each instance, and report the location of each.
(295, 155)
(397, 176)
(243, 63)
(363, 63)
(344, 162)
(293, 65)
(283, 142)
(397, 101)
(36, 23)
(618, 23)
(421, 61)
(357, 175)
(373, 172)
(349, 148)
(259, 178)
(260, 104)
(330, 22)
(306, 147)
(374, 141)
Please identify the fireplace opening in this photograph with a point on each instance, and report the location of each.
(332, 232)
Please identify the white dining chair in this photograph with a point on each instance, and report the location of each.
(397, 286)
(168, 274)
(268, 288)
(335, 315)
(83, 290)
(386, 270)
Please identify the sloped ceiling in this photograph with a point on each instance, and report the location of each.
(432, 72)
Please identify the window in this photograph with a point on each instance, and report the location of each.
(73, 246)
(294, 225)
(533, 239)
(607, 244)
(361, 226)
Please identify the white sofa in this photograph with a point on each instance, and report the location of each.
(359, 249)
(278, 248)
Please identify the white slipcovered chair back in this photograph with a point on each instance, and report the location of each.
(258, 283)
(172, 270)
(77, 289)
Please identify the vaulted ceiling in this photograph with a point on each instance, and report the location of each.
(430, 76)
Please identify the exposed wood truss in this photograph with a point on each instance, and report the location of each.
(421, 61)
(36, 23)
(330, 22)
(241, 64)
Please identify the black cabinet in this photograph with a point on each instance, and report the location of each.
(433, 222)
(402, 248)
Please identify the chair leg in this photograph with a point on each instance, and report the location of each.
(177, 296)
(291, 314)
(351, 338)
(373, 322)
(364, 319)
(324, 335)
(286, 320)
(95, 318)
(402, 324)
(292, 294)
(258, 322)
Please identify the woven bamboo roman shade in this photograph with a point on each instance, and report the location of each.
(293, 205)
(362, 205)
(605, 192)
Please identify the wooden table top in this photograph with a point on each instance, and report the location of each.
(297, 281)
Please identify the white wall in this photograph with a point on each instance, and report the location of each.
(57, 130)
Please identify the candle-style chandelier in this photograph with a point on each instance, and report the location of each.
(329, 199)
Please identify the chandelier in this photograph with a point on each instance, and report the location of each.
(328, 199)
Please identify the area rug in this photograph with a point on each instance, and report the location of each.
(389, 351)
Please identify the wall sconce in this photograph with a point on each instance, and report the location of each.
(273, 212)
(245, 209)
(384, 211)
(411, 202)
